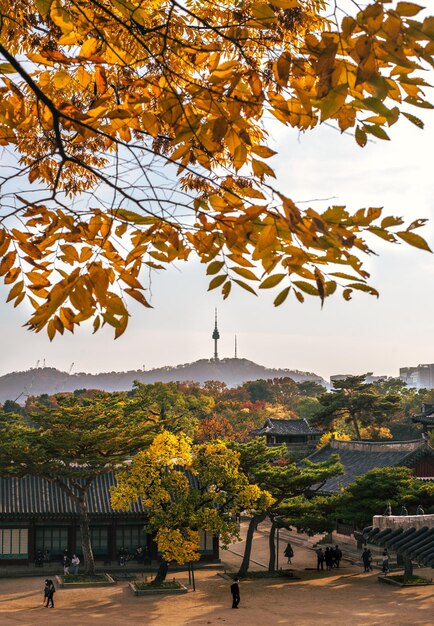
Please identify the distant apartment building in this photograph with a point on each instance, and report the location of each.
(420, 377)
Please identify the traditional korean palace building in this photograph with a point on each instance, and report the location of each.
(36, 515)
(426, 418)
(297, 434)
(358, 457)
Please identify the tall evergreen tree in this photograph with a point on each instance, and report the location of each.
(71, 445)
(357, 403)
(283, 480)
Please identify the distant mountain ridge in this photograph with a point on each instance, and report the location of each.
(18, 385)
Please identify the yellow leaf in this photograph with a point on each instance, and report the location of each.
(306, 287)
(240, 156)
(361, 137)
(61, 17)
(245, 273)
(83, 77)
(245, 286)
(150, 123)
(217, 281)
(261, 169)
(214, 267)
(365, 288)
(414, 240)
(101, 79)
(43, 7)
(137, 295)
(89, 47)
(7, 262)
(272, 281)
(285, 4)
(408, 9)
(281, 297)
(51, 330)
(15, 291)
(263, 151)
(263, 12)
(226, 289)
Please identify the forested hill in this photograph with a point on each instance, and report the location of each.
(19, 385)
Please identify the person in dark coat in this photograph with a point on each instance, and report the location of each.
(66, 562)
(366, 558)
(289, 552)
(319, 559)
(337, 555)
(235, 591)
(49, 591)
(328, 557)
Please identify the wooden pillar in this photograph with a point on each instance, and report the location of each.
(112, 552)
(31, 539)
(72, 538)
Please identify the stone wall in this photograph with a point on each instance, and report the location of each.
(402, 521)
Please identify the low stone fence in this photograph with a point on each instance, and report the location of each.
(402, 521)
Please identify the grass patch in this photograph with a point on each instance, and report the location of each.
(82, 578)
(413, 580)
(165, 585)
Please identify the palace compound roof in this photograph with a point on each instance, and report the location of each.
(358, 457)
(286, 427)
(34, 496)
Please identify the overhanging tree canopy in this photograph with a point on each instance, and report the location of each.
(97, 95)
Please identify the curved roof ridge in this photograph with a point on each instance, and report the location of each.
(409, 445)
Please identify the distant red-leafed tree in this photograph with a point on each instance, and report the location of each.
(215, 427)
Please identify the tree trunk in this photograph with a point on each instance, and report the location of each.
(86, 544)
(161, 574)
(356, 427)
(408, 568)
(272, 548)
(255, 520)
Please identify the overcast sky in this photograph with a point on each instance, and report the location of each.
(354, 337)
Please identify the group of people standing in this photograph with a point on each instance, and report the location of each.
(330, 556)
(67, 563)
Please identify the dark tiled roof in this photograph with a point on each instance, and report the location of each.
(423, 418)
(426, 416)
(358, 457)
(286, 427)
(33, 496)
(417, 544)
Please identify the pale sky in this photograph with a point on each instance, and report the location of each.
(354, 337)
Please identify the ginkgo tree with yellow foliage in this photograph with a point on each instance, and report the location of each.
(96, 96)
(187, 488)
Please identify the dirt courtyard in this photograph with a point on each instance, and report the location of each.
(347, 599)
(344, 597)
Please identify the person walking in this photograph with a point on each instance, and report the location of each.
(289, 552)
(75, 562)
(328, 557)
(66, 562)
(366, 558)
(235, 591)
(49, 591)
(385, 564)
(337, 555)
(319, 559)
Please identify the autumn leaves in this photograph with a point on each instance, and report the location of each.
(93, 91)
